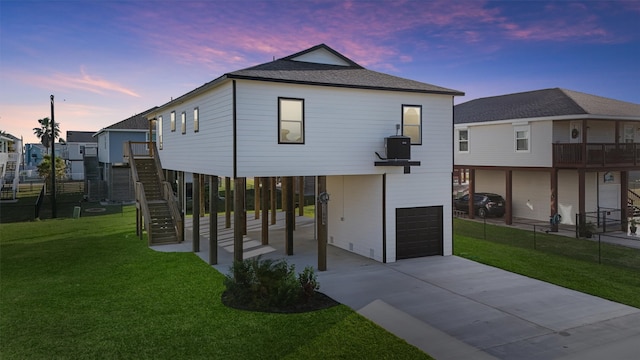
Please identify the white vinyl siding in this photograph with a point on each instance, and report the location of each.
(209, 151)
(343, 129)
(494, 145)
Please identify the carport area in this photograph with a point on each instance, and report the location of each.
(450, 307)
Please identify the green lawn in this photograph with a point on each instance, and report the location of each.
(576, 271)
(89, 288)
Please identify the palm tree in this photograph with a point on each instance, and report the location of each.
(44, 132)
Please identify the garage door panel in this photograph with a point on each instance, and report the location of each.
(419, 232)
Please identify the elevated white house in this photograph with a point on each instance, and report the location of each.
(551, 151)
(318, 113)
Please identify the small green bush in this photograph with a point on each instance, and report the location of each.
(263, 284)
(308, 282)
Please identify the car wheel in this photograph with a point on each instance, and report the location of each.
(482, 212)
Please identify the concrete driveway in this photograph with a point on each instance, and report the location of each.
(451, 307)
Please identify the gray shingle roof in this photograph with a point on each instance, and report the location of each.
(542, 103)
(80, 137)
(136, 122)
(353, 76)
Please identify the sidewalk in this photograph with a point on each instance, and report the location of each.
(454, 308)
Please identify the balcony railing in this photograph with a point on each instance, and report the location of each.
(594, 155)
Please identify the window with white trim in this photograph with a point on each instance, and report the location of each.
(463, 140)
(412, 123)
(159, 131)
(196, 119)
(290, 121)
(173, 121)
(183, 122)
(522, 138)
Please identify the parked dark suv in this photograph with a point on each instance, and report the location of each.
(485, 204)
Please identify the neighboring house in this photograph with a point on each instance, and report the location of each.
(10, 160)
(34, 154)
(78, 143)
(318, 113)
(551, 151)
(111, 179)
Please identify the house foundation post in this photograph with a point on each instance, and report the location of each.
(624, 199)
(508, 181)
(264, 199)
(256, 197)
(321, 223)
(554, 199)
(196, 212)
(289, 213)
(227, 202)
(581, 197)
(472, 192)
(274, 200)
(213, 220)
(301, 196)
(238, 206)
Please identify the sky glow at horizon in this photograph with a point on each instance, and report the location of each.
(107, 60)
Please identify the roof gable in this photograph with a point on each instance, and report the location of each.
(322, 54)
(542, 103)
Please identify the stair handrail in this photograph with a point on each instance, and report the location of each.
(168, 194)
(635, 194)
(141, 202)
(172, 201)
(141, 199)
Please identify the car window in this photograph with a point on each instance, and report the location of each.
(477, 198)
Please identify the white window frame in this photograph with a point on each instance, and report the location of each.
(183, 122)
(159, 131)
(526, 129)
(281, 120)
(173, 121)
(419, 125)
(463, 141)
(196, 119)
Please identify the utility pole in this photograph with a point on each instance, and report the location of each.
(53, 164)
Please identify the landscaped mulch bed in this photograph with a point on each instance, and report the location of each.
(318, 301)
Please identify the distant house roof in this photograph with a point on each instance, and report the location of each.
(80, 137)
(300, 68)
(543, 103)
(136, 122)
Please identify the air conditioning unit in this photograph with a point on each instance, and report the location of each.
(398, 147)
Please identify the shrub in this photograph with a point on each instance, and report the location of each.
(263, 284)
(309, 282)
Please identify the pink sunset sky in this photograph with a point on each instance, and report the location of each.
(105, 61)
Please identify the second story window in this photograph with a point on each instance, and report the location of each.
(290, 121)
(412, 123)
(463, 140)
(183, 122)
(521, 138)
(196, 119)
(159, 131)
(173, 121)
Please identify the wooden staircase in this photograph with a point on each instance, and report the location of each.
(155, 201)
